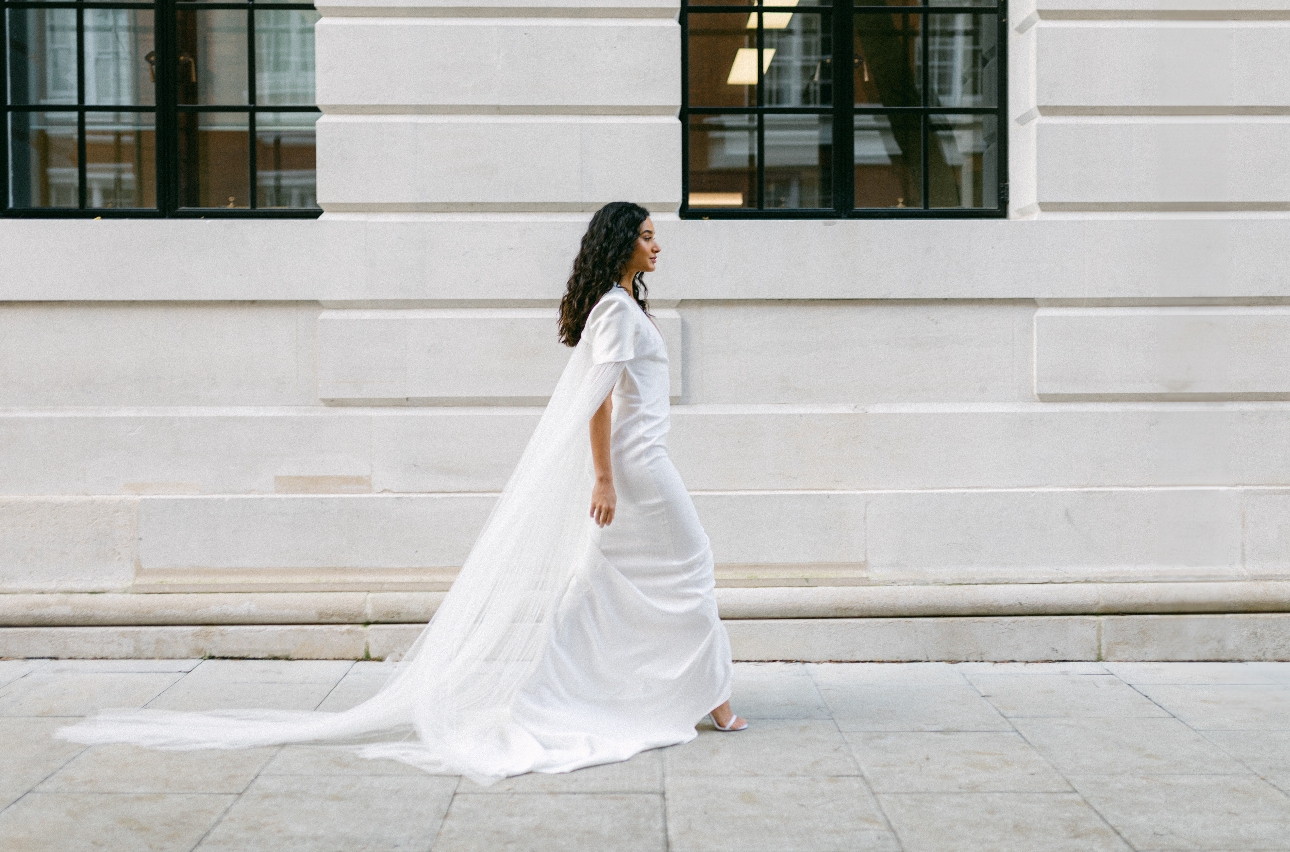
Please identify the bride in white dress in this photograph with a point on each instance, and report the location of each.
(564, 642)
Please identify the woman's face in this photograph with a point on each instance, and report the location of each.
(645, 257)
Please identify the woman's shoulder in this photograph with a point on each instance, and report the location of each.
(611, 326)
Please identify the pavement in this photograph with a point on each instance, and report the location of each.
(921, 757)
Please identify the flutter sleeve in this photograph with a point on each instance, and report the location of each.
(611, 329)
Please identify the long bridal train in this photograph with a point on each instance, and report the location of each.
(560, 645)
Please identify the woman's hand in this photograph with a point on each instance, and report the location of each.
(603, 501)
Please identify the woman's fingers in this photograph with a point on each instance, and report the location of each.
(602, 515)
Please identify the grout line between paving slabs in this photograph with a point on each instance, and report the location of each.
(1063, 775)
(891, 828)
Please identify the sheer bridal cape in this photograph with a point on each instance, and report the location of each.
(559, 645)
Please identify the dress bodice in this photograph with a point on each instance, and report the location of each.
(620, 331)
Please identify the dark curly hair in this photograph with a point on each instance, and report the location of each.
(607, 246)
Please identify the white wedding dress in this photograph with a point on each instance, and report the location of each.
(561, 644)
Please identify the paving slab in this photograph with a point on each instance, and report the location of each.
(952, 773)
(361, 813)
(93, 822)
(944, 707)
(1063, 695)
(273, 671)
(197, 694)
(11, 670)
(767, 747)
(642, 774)
(1280, 672)
(331, 760)
(777, 691)
(355, 688)
(1072, 667)
(538, 822)
(128, 769)
(29, 754)
(80, 694)
(838, 675)
(1261, 751)
(1193, 673)
(998, 822)
(953, 762)
(1226, 708)
(774, 815)
(1126, 746)
(119, 666)
(1191, 811)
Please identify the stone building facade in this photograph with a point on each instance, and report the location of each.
(1059, 434)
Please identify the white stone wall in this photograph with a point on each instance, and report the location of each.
(1091, 394)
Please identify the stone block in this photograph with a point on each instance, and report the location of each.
(1054, 535)
(856, 353)
(462, 356)
(1165, 163)
(190, 452)
(297, 641)
(1266, 523)
(156, 354)
(81, 694)
(67, 543)
(1162, 353)
(1151, 69)
(527, 65)
(31, 754)
(448, 163)
(305, 532)
(129, 769)
(911, 639)
(1233, 636)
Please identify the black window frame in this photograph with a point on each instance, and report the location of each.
(843, 111)
(166, 110)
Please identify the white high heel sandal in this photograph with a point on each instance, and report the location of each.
(733, 716)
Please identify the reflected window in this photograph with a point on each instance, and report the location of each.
(852, 108)
(165, 108)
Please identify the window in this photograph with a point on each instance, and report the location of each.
(165, 108)
(844, 108)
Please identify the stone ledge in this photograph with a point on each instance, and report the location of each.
(1002, 639)
(276, 609)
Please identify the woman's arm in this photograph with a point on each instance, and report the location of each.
(603, 498)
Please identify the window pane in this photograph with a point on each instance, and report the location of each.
(120, 160)
(723, 60)
(284, 57)
(963, 161)
(964, 60)
(888, 161)
(118, 45)
(42, 56)
(888, 69)
(284, 159)
(800, 49)
(211, 67)
(799, 161)
(214, 160)
(987, 3)
(723, 161)
(43, 162)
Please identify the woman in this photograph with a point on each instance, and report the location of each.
(562, 643)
